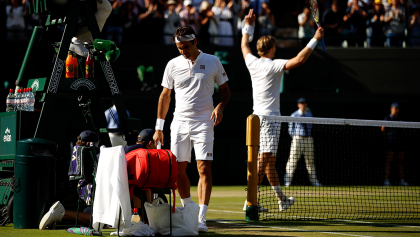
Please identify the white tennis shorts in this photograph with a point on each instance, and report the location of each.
(188, 134)
(269, 135)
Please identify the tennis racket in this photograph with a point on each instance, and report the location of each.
(315, 14)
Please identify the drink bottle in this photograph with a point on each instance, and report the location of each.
(31, 100)
(75, 66)
(10, 101)
(89, 66)
(69, 66)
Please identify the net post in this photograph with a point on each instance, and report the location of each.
(252, 142)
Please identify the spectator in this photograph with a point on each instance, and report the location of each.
(306, 26)
(137, 5)
(266, 20)
(223, 12)
(208, 24)
(257, 5)
(362, 3)
(395, 17)
(113, 120)
(414, 27)
(245, 7)
(130, 22)
(236, 9)
(302, 144)
(332, 21)
(189, 16)
(15, 21)
(151, 21)
(355, 17)
(172, 22)
(375, 23)
(395, 145)
(114, 29)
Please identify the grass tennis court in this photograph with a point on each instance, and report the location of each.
(226, 218)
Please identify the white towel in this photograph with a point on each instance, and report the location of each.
(112, 190)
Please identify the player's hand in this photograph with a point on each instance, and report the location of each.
(319, 34)
(158, 137)
(250, 18)
(218, 112)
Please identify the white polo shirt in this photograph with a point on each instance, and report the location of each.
(194, 85)
(266, 77)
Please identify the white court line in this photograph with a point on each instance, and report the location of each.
(364, 222)
(281, 228)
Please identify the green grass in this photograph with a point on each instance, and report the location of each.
(226, 218)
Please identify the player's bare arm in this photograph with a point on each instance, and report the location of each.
(163, 107)
(304, 53)
(249, 20)
(218, 111)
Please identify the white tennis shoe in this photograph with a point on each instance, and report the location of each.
(260, 208)
(202, 227)
(284, 205)
(55, 213)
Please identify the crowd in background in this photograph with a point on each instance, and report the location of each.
(362, 23)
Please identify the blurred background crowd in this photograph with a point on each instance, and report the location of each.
(347, 23)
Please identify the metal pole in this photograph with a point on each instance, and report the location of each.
(252, 142)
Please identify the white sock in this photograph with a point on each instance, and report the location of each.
(203, 210)
(185, 201)
(278, 192)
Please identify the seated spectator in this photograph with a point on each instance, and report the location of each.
(189, 16)
(15, 21)
(172, 22)
(414, 27)
(355, 17)
(223, 12)
(395, 18)
(362, 3)
(208, 24)
(306, 26)
(375, 22)
(113, 26)
(151, 21)
(332, 21)
(130, 24)
(266, 20)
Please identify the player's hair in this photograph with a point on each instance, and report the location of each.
(184, 30)
(265, 43)
(80, 142)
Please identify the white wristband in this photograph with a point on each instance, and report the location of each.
(159, 124)
(312, 44)
(247, 30)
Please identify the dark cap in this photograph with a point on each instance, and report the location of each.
(301, 100)
(89, 136)
(146, 135)
(395, 104)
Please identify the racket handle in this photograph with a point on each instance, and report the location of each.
(159, 146)
(323, 45)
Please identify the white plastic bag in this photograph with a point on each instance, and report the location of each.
(184, 220)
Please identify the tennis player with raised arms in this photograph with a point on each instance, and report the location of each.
(266, 75)
(193, 76)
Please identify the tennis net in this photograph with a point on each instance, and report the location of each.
(338, 169)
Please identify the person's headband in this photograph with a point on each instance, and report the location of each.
(183, 38)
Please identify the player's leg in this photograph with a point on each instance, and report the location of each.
(310, 161)
(295, 153)
(389, 159)
(400, 164)
(205, 182)
(181, 148)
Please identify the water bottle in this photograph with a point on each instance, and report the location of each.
(17, 100)
(10, 101)
(31, 100)
(25, 100)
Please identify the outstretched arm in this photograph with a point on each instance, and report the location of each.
(163, 106)
(218, 111)
(304, 53)
(249, 20)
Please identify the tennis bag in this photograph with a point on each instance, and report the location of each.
(154, 168)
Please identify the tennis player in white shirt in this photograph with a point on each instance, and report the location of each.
(193, 76)
(266, 76)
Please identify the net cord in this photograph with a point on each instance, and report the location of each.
(336, 121)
